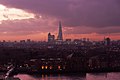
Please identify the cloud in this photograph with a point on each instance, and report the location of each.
(82, 16)
(93, 13)
(13, 14)
(27, 26)
(88, 30)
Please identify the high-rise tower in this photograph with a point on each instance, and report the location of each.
(60, 37)
(51, 38)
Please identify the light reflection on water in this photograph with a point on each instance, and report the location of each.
(88, 76)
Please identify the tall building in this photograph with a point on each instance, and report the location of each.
(51, 38)
(107, 41)
(60, 37)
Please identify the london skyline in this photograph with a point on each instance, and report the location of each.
(94, 19)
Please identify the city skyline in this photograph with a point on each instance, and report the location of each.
(80, 19)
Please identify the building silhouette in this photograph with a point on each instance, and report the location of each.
(60, 37)
(107, 41)
(51, 38)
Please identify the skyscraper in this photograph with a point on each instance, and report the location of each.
(51, 38)
(60, 37)
(107, 41)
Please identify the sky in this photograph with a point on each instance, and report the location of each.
(33, 19)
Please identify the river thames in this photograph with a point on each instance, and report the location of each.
(88, 76)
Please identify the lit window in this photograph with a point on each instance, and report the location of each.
(59, 67)
(50, 67)
(42, 67)
(46, 67)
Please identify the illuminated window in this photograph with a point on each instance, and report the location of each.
(42, 67)
(46, 67)
(50, 67)
(59, 67)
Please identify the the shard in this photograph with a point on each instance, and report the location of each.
(60, 37)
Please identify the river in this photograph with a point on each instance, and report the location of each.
(88, 76)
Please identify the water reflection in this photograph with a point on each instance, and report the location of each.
(52, 77)
(113, 76)
(103, 76)
(96, 76)
(88, 76)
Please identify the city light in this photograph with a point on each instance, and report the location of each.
(43, 67)
(46, 67)
(50, 67)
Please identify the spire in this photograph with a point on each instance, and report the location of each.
(60, 37)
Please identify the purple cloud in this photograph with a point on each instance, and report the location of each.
(98, 14)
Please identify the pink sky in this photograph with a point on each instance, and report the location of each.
(20, 19)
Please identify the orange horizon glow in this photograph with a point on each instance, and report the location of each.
(43, 37)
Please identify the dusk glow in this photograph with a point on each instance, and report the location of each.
(95, 19)
(59, 39)
(13, 14)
